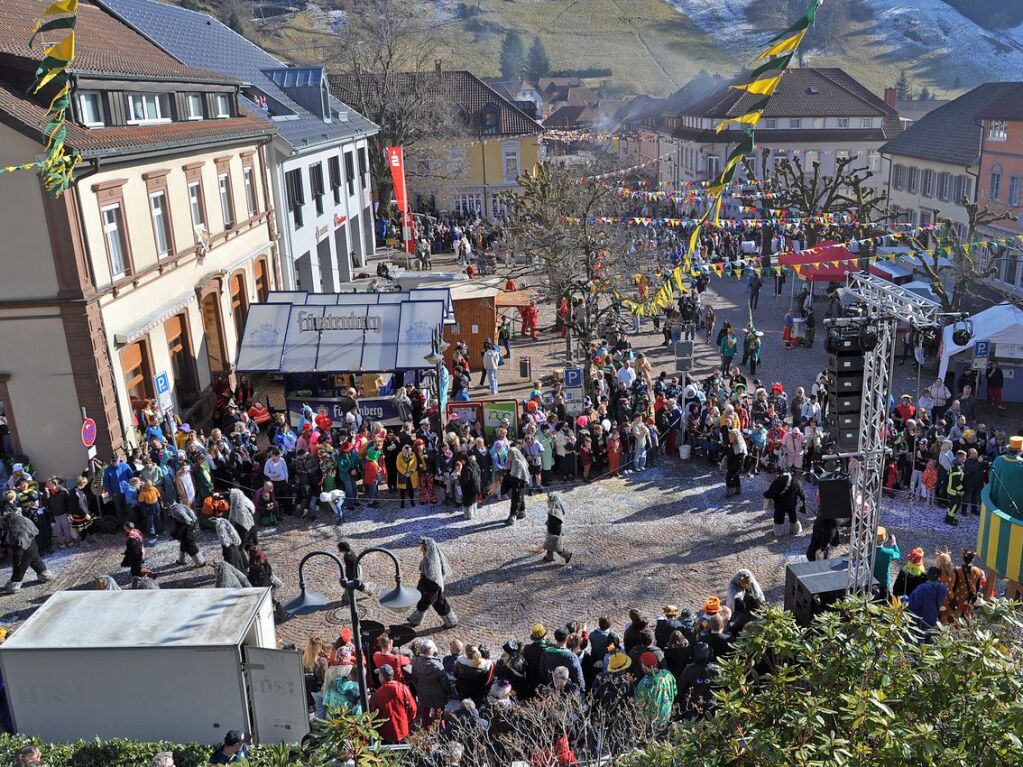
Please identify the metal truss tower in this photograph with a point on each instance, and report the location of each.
(885, 305)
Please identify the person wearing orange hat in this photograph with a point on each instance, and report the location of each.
(912, 574)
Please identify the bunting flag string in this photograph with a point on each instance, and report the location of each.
(764, 80)
(57, 166)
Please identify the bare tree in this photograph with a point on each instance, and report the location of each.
(953, 260)
(386, 70)
(556, 224)
(810, 193)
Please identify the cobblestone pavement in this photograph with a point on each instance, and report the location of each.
(643, 540)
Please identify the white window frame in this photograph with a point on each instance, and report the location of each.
(251, 196)
(195, 204)
(913, 180)
(713, 165)
(998, 130)
(190, 102)
(770, 123)
(842, 122)
(866, 122)
(873, 161)
(224, 192)
(161, 221)
(994, 184)
(510, 152)
(795, 123)
(1013, 191)
(160, 108)
(222, 106)
(945, 186)
(927, 183)
(84, 97)
(115, 228)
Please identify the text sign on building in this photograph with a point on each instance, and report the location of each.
(307, 321)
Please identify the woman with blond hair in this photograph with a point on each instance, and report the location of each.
(314, 666)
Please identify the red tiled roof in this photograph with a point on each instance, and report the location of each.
(103, 45)
(459, 87)
(29, 118)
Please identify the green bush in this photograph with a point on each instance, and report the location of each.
(112, 753)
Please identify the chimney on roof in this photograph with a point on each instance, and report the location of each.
(890, 96)
(438, 66)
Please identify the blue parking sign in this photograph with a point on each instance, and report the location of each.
(573, 378)
(162, 382)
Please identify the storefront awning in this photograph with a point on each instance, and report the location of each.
(354, 299)
(364, 337)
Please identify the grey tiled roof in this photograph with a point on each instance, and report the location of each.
(199, 40)
(951, 132)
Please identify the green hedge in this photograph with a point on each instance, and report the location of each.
(117, 753)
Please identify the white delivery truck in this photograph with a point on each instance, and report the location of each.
(184, 665)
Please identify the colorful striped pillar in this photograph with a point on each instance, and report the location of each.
(1000, 539)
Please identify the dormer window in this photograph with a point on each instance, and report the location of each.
(490, 119)
(193, 103)
(148, 108)
(223, 105)
(90, 109)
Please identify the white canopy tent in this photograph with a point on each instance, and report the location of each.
(1001, 324)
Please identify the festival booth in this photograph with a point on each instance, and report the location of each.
(322, 344)
(827, 261)
(474, 306)
(999, 330)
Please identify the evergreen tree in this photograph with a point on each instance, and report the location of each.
(925, 95)
(234, 21)
(537, 62)
(513, 56)
(902, 88)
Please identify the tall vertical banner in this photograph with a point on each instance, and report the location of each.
(396, 159)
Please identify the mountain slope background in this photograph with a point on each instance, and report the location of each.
(656, 46)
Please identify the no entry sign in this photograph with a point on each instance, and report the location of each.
(88, 432)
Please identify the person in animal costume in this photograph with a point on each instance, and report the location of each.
(553, 543)
(434, 570)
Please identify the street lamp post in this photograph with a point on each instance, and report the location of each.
(399, 598)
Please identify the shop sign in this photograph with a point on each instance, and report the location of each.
(468, 412)
(375, 409)
(322, 231)
(309, 321)
(494, 413)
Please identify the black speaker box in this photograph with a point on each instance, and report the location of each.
(845, 403)
(840, 343)
(844, 421)
(835, 501)
(845, 383)
(845, 363)
(812, 587)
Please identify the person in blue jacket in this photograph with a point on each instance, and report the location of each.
(928, 599)
(117, 472)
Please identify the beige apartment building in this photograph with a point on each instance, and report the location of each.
(935, 163)
(134, 285)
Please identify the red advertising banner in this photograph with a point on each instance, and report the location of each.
(396, 159)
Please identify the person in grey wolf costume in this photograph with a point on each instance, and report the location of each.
(433, 572)
(555, 529)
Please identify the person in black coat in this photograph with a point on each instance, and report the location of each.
(787, 493)
(694, 687)
(471, 483)
(533, 654)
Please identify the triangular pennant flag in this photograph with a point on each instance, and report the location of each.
(763, 87)
(785, 45)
